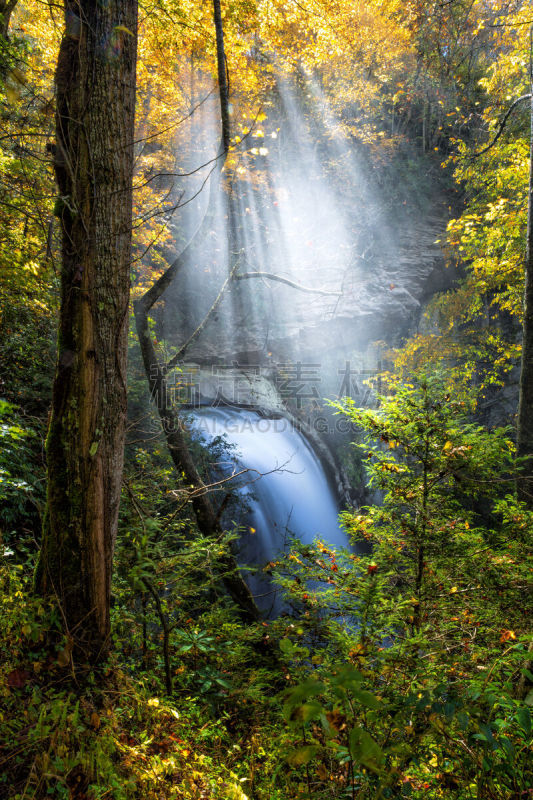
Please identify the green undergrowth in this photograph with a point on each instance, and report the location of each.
(400, 669)
(67, 732)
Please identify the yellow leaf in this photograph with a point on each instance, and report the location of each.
(506, 635)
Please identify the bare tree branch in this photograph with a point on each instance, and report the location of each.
(181, 352)
(502, 126)
(272, 277)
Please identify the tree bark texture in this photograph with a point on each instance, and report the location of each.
(95, 88)
(6, 9)
(222, 74)
(525, 403)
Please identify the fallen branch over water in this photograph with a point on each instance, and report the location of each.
(271, 276)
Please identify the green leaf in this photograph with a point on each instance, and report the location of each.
(486, 731)
(523, 717)
(463, 720)
(286, 646)
(347, 677)
(309, 688)
(366, 698)
(303, 755)
(296, 697)
(507, 746)
(364, 750)
(307, 712)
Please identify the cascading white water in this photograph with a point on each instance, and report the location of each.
(285, 490)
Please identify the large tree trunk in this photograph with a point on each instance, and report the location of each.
(525, 404)
(95, 84)
(6, 9)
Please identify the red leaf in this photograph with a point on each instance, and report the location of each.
(18, 678)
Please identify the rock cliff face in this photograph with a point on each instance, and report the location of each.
(294, 337)
(382, 297)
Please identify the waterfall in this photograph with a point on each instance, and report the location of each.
(285, 491)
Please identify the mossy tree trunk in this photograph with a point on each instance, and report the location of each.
(6, 9)
(525, 404)
(95, 87)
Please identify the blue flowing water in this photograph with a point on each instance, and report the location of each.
(286, 491)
